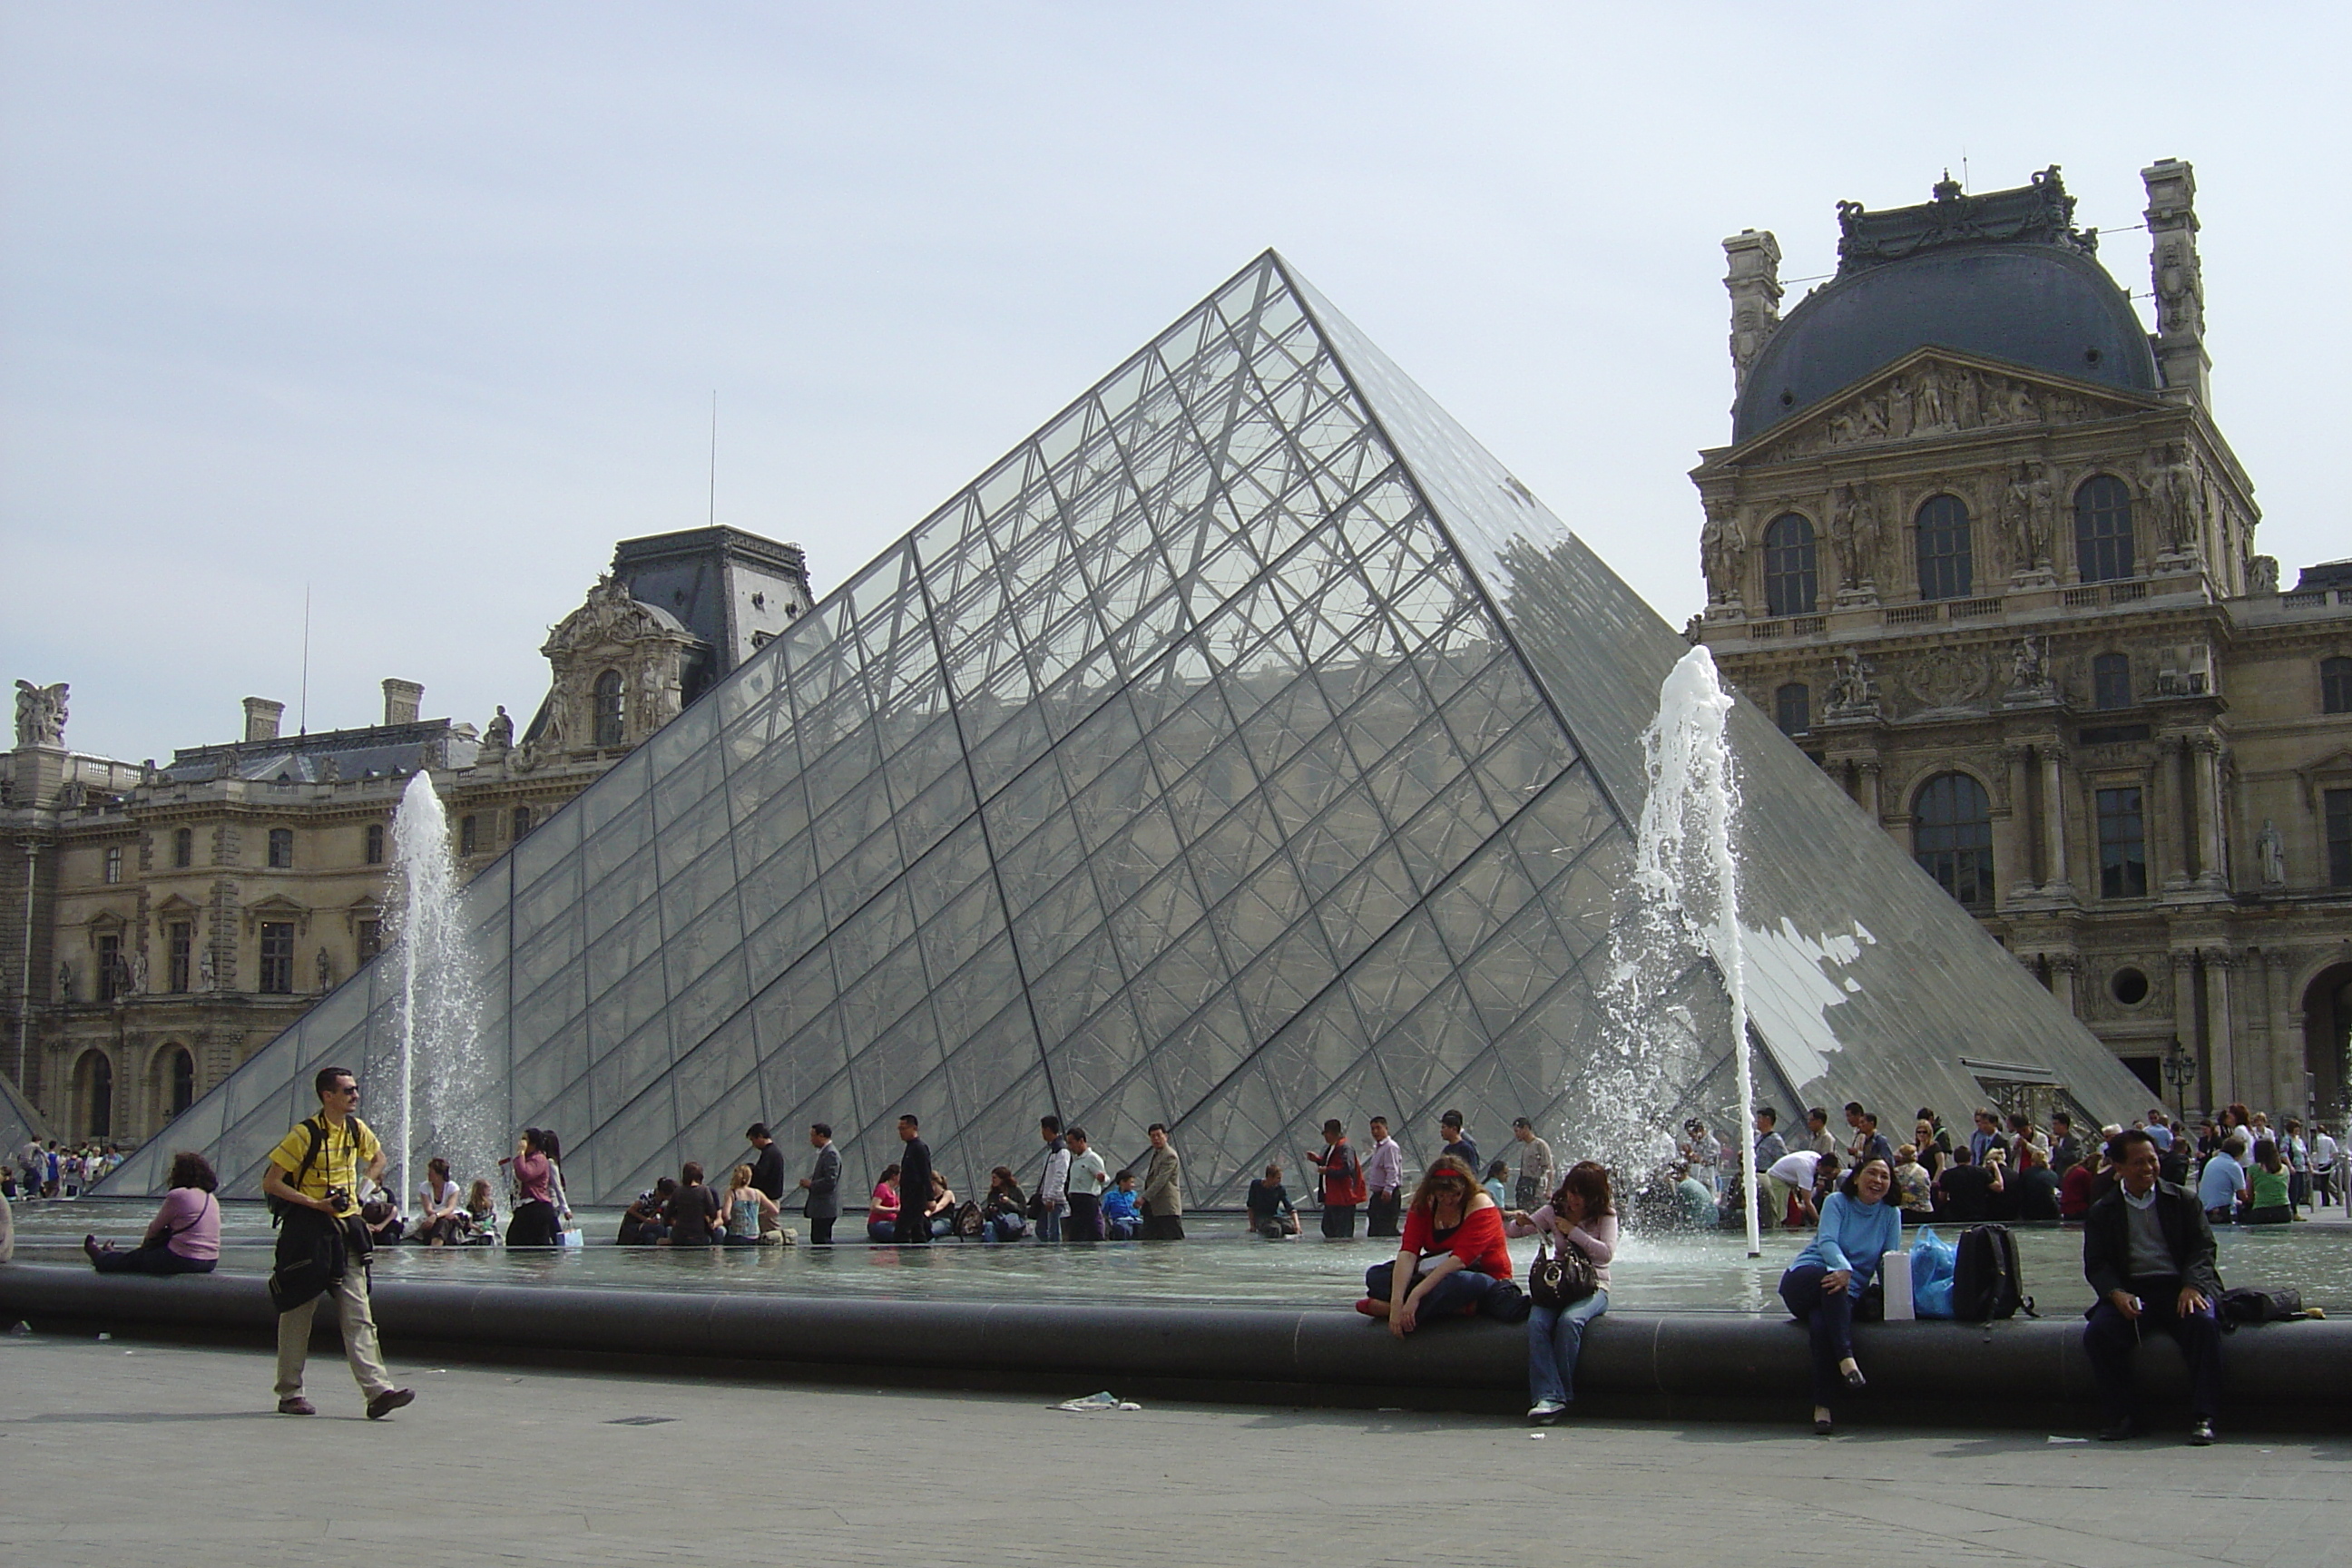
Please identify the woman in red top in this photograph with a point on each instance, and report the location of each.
(1451, 1256)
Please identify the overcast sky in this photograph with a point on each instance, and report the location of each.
(423, 306)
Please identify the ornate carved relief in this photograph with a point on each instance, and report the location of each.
(1935, 399)
(1948, 676)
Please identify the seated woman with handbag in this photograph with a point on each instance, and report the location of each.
(1858, 1225)
(1450, 1258)
(1567, 1284)
(1005, 1213)
(184, 1236)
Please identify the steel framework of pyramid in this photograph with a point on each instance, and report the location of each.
(1246, 748)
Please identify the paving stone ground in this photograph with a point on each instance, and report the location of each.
(134, 1452)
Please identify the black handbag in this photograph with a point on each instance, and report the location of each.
(1562, 1279)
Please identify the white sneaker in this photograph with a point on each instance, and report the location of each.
(1544, 1412)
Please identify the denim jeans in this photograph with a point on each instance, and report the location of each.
(1458, 1295)
(157, 1259)
(1554, 1337)
(1049, 1224)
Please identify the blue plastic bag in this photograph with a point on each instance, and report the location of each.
(1932, 1261)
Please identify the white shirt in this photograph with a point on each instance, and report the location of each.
(2323, 1153)
(1796, 1168)
(1089, 1175)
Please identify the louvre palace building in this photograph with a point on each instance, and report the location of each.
(177, 916)
(1980, 545)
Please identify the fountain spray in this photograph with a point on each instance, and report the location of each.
(439, 1010)
(1684, 861)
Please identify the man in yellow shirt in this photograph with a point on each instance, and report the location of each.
(313, 1175)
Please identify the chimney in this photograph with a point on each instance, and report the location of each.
(2179, 282)
(261, 717)
(1754, 282)
(403, 700)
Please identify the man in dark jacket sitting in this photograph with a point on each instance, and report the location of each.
(2148, 1251)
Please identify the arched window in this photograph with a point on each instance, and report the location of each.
(610, 708)
(1952, 837)
(2103, 529)
(2336, 685)
(1792, 707)
(184, 1079)
(1947, 561)
(96, 1075)
(2111, 680)
(1791, 586)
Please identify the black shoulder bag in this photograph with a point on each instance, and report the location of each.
(1562, 1279)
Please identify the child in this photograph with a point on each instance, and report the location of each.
(1499, 1182)
(1122, 1211)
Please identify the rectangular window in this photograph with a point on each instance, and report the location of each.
(113, 979)
(2339, 839)
(180, 947)
(2123, 846)
(183, 847)
(278, 957)
(1793, 708)
(371, 939)
(375, 844)
(521, 822)
(281, 848)
(470, 833)
(114, 864)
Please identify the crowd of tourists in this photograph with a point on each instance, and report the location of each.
(2148, 1197)
(41, 1172)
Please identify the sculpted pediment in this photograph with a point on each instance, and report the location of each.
(1931, 392)
(610, 619)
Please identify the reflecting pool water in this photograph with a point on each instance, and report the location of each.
(1221, 1265)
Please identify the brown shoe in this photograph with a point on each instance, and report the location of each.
(390, 1400)
(297, 1405)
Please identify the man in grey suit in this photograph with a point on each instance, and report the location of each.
(1163, 1194)
(822, 1186)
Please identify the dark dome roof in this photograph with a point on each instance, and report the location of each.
(2036, 306)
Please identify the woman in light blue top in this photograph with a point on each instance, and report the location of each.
(1833, 1270)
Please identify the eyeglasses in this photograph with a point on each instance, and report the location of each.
(347, 1088)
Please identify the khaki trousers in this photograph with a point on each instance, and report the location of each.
(350, 1295)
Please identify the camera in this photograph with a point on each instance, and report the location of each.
(338, 1199)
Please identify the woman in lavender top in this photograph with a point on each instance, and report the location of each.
(184, 1236)
(1830, 1274)
(1580, 1214)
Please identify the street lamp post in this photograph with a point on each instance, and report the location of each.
(2179, 1069)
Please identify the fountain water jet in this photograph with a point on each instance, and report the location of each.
(440, 1008)
(1686, 903)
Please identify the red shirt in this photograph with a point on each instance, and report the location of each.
(1478, 1240)
(2075, 1190)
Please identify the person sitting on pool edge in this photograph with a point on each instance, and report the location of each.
(1451, 1257)
(184, 1236)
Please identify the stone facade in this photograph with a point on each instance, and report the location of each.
(160, 924)
(2159, 739)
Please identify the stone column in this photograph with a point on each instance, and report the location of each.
(2212, 855)
(1866, 788)
(2180, 280)
(2017, 849)
(2286, 1038)
(2065, 974)
(2187, 1025)
(2229, 1081)
(1753, 279)
(2057, 884)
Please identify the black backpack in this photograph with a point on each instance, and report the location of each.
(1985, 1279)
(2245, 1304)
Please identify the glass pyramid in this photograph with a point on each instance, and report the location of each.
(1246, 748)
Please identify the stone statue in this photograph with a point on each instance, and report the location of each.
(204, 971)
(2041, 517)
(2030, 667)
(2178, 498)
(1722, 554)
(41, 714)
(65, 980)
(500, 735)
(2263, 574)
(326, 970)
(1853, 683)
(2270, 848)
(1931, 412)
(1854, 536)
(2017, 515)
(330, 771)
(139, 974)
